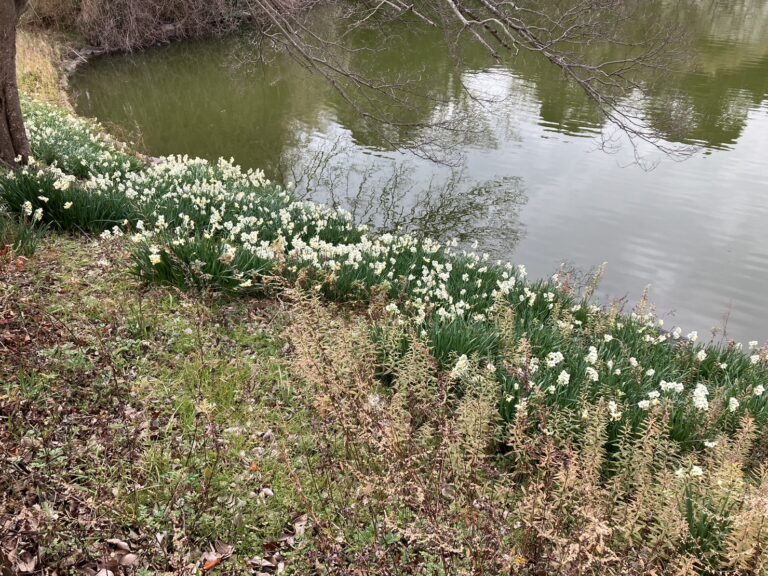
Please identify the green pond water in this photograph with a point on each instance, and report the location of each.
(525, 177)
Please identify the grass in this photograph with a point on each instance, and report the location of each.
(37, 69)
(157, 430)
(135, 414)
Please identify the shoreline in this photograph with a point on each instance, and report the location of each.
(70, 60)
(230, 377)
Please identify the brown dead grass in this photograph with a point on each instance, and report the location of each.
(57, 14)
(38, 66)
(427, 481)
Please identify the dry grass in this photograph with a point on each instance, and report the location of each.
(408, 468)
(57, 14)
(37, 62)
(133, 24)
(126, 25)
(427, 481)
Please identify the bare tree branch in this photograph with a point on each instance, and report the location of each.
(591, 41)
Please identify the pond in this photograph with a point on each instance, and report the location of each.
(526, 179)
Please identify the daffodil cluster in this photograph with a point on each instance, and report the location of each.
(214, 225)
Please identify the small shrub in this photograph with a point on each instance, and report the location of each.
(132, 24)
(60, 14)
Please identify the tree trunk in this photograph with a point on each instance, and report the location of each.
(13, 136)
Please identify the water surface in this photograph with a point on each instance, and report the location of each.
(527, 180)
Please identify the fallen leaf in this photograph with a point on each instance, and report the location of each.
(300, 525)
(119, 544)
(20, 261)
(27, 565)
(224, 550)
(129, 560)
(261, 562)
(211, 564)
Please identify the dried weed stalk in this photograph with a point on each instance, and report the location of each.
(424, 477)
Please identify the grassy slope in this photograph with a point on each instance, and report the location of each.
(38, 72)
(129, 414)
(178, 429)
(187, 431)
